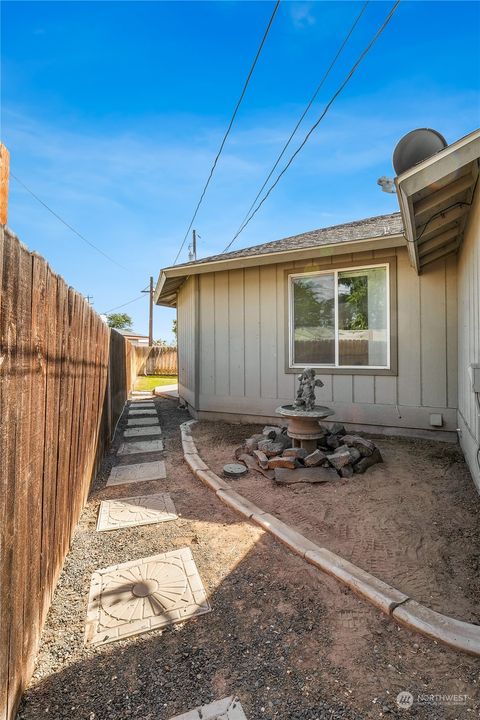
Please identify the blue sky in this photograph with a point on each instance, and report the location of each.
(113, 113)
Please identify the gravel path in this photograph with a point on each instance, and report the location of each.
(288, 640)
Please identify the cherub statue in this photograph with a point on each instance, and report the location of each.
(305, 399)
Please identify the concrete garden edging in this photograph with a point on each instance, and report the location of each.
(459, 635)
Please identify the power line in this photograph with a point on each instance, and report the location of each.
(140, 297)
(302, 116)
(64, 222)
(228, 128)
(316, 124)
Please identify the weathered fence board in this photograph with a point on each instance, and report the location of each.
(64, 380)
(156, 360)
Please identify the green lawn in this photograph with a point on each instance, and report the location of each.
(152, 381)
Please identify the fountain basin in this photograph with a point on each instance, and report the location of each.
(303, 425)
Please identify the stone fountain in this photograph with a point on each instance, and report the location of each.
(303, 415)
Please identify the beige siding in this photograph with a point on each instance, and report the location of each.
(186, 338)
(242, 348)
(469, 338)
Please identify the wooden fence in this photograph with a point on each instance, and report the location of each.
(156, 360)
(64, 379)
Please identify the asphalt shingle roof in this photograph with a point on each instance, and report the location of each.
(378, 226)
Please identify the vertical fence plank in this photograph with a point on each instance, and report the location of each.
(20, 558)
(54, 311)
(8, 388)
(35, 454)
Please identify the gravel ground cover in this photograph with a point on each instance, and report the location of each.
(288, 640)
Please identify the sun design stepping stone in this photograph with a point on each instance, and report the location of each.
(143, 595)
(140, 472)
(142, 446)
(132, 511)
(141, 421)
(139, 413)
(140, 431)
(226, 709)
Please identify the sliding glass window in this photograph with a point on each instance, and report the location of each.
(340, 318)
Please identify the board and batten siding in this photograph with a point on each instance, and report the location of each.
(186, 339)
(469, 339)
(242, 345)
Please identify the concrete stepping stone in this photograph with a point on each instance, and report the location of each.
(142, 446)
(142, 412)
(141, 421)
(133, 511)
(143, 595)
(144, 405)
(226, 709)
(140, 472)
(142, 431)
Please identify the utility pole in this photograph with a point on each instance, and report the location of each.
(150, 319)
(194, 244)
(192, 248)
(4, 177)
(150, 314)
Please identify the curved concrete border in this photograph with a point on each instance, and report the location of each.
(457, 634)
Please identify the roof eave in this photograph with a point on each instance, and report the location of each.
(165, 292)
(426, 193)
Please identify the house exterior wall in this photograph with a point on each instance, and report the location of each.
(242, 347)
(186, 339)
(469, 338)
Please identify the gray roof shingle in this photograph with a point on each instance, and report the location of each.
(378, 226)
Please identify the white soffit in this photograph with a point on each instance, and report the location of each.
(435, 198)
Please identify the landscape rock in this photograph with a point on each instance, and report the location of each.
(271, 432)
(252, 464)
(239, 452)
(346, 471)
(283, 462)
(364, 446)
(332, 442)
(354, 454)
(261, 458)
(251, 444)
(284, 439)
(336, 429)
(368, 461)
(298, 453)
(284, 476)
(271, 447)
(339, 459)
(315, 458)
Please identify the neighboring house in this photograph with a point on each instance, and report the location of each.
(134, 337)
(387, 309)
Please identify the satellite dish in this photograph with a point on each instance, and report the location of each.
(416, 146)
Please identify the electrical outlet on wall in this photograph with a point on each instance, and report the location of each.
(474, 371)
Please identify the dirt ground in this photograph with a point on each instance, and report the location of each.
(288, 640)
(413, 521)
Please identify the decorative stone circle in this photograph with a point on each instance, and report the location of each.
(143, 595)
(132, 511)
(234, 470)
(226, 709)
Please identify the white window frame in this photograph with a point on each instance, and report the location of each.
(335, 272)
